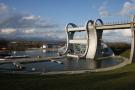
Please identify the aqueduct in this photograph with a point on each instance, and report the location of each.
(94, 30)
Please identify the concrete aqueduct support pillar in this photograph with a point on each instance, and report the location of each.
(94, 39)
(132, 53)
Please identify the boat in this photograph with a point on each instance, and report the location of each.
(14, 57)
(1, 59)
(18, 66)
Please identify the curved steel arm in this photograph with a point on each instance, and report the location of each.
(69, 36)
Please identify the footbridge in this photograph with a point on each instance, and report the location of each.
(92, 42)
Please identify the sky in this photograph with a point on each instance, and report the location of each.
(46, 19)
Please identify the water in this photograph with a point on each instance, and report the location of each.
(72, 64)
(35, 53)
(68, 64)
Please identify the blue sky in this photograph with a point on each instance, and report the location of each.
(64, 11)
(55, 14)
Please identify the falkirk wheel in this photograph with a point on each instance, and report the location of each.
(93, 40)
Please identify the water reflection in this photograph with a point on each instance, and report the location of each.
(35, 53)
(74, 64)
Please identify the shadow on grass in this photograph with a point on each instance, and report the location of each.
(94, 81)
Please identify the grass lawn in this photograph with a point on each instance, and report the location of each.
(119, 79)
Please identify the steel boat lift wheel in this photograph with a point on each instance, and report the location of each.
(70, 37)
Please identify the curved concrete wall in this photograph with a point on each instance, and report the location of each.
(92, 39)
(95, 36)
(88, 23)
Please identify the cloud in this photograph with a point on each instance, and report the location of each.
(126, 32)
(116, 39)
(117, 35)
(18, 24)
(3, 8)
(128, 8)
(132, 1)
(103, 10)
(30, 17)
(123, 33)
(29, 31)
(7, 31)
(26, 21)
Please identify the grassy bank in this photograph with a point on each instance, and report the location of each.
(119, 79)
